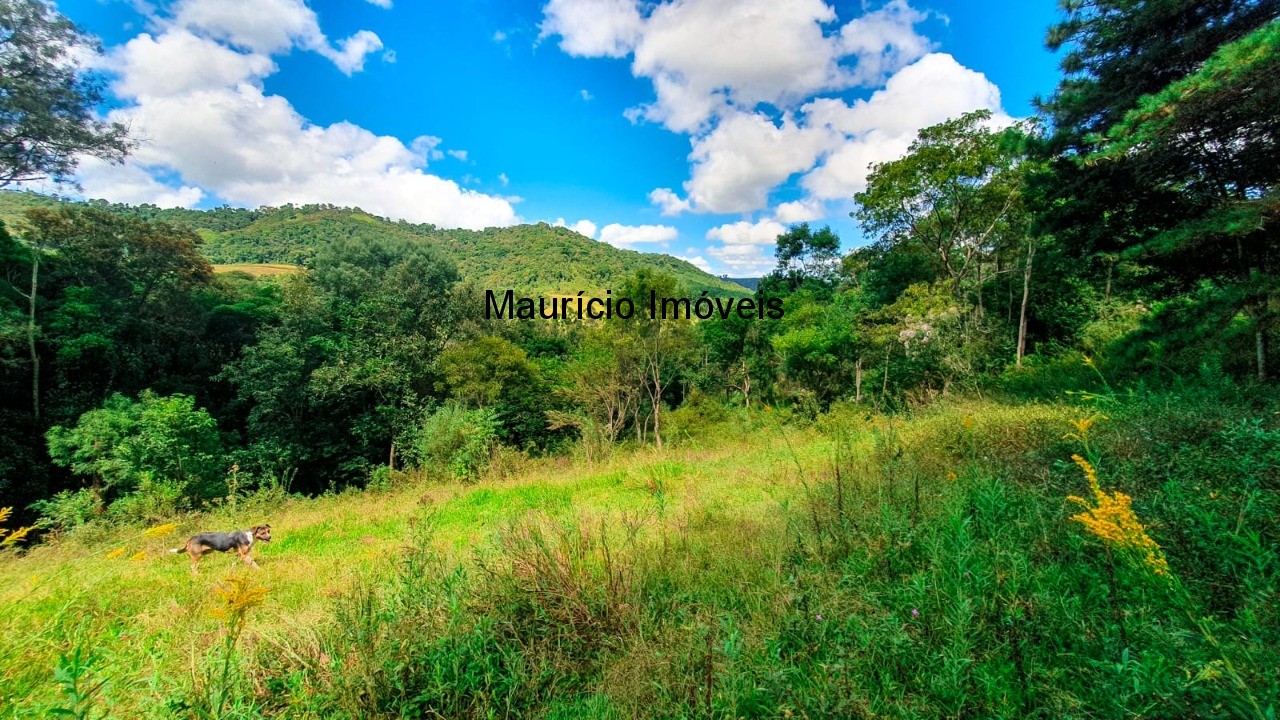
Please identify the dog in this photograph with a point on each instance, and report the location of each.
(241, 541)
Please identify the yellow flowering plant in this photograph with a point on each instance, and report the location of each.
(160, 530)
(1109, 516)
(237, 596)
(10, 538)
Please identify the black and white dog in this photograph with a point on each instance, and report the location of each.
(241, 541)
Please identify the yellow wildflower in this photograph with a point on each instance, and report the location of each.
(160, 530)
(238, 597)
(116, 553)
(10, 538)
(140, 555)
(1111, 519)
(1083, 426)
(13, 537)
(951, 475)
(967, 421)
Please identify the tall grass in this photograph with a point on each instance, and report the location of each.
(926, 564)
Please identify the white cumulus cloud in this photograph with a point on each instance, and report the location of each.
(697, 261)
(133, 185)
(193, 93)
(626, 235)
(881, 128)
(706, 56)
(270, 27)
(744, 157)
(582, 227)
(827, 142)
(746, 247)
(763, 232)
(758, 85)
(671, 203)
(593, 28)
(799, 211)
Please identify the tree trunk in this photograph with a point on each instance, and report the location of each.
(857, 380)
(1260, 347)
(1026, 293)
(1106, 295)
(884, 389)
(657, 431)
(981, 310)
(31, 332)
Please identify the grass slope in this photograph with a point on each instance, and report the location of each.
(531, 259)
(148, 619)
(258, 269)
(925, 564)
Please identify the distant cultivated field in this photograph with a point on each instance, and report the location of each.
(258, 269)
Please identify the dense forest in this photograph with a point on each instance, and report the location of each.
(534, 259)
(1117, 255)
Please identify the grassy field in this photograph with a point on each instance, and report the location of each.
(258, 269)
(147, 618)
(855, 566)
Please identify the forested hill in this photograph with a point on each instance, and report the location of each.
(534, 259)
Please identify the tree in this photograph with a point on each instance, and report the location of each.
(601, 383)
(805, 254)
(1165, 139)
(1117, 51)
(663, 342)
(114, 298)
(1213, 135)
(352, 365)
(126, 444)
(952, 193)
(47, 102)
(737, 356)
(822, 344)
(391, 311)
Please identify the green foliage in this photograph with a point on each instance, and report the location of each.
(1118, 51)
(805, 254)
(48, 102)
(1168, 113)
(808, 522)
(955, 193)
(69, 509)
(821, 346)
(455, 441)
(150, 454)
(74, 674)
(532, 259)
(486, 370)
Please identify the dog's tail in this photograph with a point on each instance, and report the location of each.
(176, 550)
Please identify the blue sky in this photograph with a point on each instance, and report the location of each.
(693, 127)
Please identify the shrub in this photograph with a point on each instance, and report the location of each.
(456, 440)
(150, 455)
(68, 509)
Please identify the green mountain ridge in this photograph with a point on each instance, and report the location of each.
(534, 259)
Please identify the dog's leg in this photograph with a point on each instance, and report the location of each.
(195, 559)
(244, 555)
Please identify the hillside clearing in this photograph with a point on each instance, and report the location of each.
(148, 616)
(258, 269)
